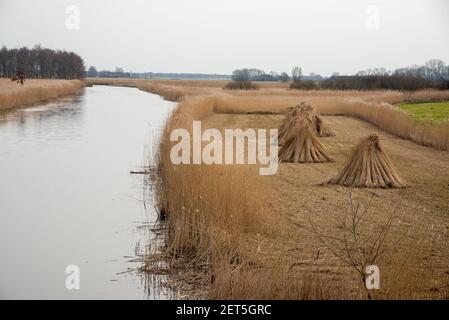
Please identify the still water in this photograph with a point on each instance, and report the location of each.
(67, 196)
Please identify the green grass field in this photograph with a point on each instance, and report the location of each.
(434, 111)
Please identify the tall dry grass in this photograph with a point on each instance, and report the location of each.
(176, 89)
(403, 275)
(14, 95)
(213, 211)
(173, 90)
(374, 106)
(381, 114)
(219, 215)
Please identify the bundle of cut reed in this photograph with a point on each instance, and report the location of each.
(300, 143)
(306, 111)
(369, 166)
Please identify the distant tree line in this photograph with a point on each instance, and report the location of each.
(41, 62)
(434, 69)
(92, 72)
(245, 75)
(379, 82)
(434, 74)
(118, 73)
(260, 75)
(242, 79)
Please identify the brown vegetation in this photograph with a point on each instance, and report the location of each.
(231, 240)
(298, 139)
(232, 234)
(210, 217)
(309, 113)
(301, 145)
(369, 166)
(241, 85)
(381, 114)
(13, 95)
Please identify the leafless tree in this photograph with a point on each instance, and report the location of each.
(357, 246)
(296, 74)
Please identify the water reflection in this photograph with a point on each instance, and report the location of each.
(67, 198)
(60, 120)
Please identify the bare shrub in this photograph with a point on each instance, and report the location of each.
(275, 283)
(359, 245)
(304, 85)
(241, 85)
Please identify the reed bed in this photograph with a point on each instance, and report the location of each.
(212, 210)
(13, 95)
(381, 114)
(172, 90)
(218, 216)
(228, 236)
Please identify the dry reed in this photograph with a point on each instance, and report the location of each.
(300, 144)
(369, 166)
(13, 95)
(211, 209)
(215, 213)
(381, 114)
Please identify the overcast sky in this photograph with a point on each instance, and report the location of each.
(206, 36)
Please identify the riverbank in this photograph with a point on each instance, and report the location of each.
(239, 235)
(13, 95)
(172, 90)
(233, 234)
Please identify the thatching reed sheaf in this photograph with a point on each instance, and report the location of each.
(321, 128)
(369, 166)
(318, 125)
(307, 112)
(286, 124)
(298, 136)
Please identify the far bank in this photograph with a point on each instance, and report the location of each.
(14, 95)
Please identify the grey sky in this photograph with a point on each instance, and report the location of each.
(208, 36)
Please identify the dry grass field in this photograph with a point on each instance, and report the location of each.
(232, 234)
(422, 223)
(13, 95)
